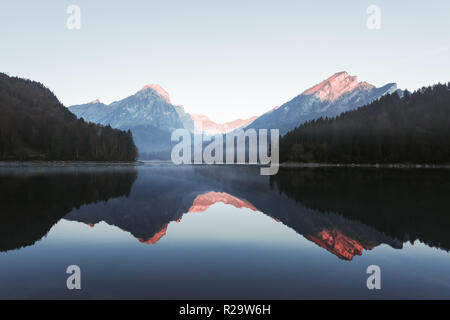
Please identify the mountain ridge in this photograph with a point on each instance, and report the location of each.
(151, 116)
(412, 129)
(331, 97)
(148, 114)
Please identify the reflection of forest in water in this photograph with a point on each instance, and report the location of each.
(33, 201)
(343, 210)
(405, 204)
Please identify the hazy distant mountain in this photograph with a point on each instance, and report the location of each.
(210, 127)
(335, 95)
(149, 114)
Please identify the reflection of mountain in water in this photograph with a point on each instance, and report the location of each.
(164, 195)
(345, 211)
(341, 236)
(160, 195)
(32, 202)
(206, 200)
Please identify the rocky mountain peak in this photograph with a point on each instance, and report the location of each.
(159, 90)
(335, 86)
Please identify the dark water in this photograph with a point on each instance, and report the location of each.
(162, 232)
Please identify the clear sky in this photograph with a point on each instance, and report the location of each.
(225, 59)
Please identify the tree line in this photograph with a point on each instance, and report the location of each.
(34, 125)
(414, 128)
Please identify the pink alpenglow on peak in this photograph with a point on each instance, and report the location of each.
(156, 87)
(210, 127)
(335, 86)
(96, 101)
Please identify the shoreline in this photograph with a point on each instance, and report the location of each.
(158, 162)
(66, 163)
(365, 165)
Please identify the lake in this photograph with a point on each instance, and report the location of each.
(156, 231)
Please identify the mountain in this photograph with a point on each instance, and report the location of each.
(149, 106)
(149, 115)
(412, 129)
(34, 125)
(339, 93)
(210, 127)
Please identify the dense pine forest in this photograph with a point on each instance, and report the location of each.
(414, 129)
(34, 125)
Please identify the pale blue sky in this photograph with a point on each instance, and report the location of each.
(226, 59)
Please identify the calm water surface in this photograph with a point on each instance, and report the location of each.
(164, 232)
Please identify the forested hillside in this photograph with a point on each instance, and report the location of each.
(413, 129)
(34, 125)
